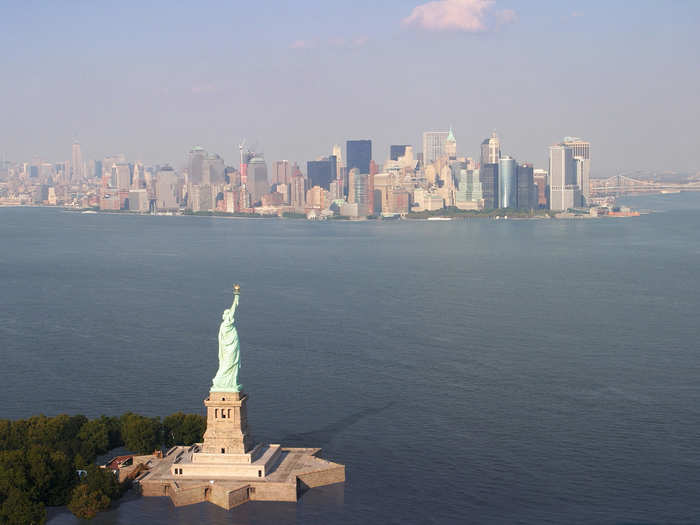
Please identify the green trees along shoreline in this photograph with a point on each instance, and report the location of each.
(40, 458)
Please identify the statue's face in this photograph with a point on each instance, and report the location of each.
(227, 316)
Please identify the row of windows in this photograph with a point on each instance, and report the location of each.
(223, 413)
(178, 471)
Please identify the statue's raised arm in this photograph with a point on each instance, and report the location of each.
(226, 378)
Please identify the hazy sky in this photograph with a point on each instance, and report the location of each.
(294, 77)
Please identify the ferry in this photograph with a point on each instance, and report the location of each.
(439, 218)
(669, 192)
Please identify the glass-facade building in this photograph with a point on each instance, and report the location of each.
(397, 150)
(488, 176)
(358, 154)
(507, 183)
(322, 172)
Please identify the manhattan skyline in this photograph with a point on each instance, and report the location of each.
(152, 81)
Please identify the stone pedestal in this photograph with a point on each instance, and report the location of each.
(227, 424)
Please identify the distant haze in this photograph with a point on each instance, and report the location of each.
(150, 81)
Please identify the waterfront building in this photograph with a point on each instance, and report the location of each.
(526, 189)
(507, 183)
(488, 177)
(564, 193)
(138, 200)
(540, 179)
(166, 189)
(195, 161)
(257, 183)
(490, 150)
(212, 169)
(581, 152)
(469, 193)
(358, 154)
(434, 146)
(297, 197)
(359, 191)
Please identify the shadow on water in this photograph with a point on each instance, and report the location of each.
(325, 435)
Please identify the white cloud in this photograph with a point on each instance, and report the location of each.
(472, 16)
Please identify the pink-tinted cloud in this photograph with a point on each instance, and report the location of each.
(472, 16)
(301, 44)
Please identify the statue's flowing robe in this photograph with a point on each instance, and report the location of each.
(226, 378)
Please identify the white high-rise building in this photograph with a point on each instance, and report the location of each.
(76, 163)
(564, 193)
(434, 146)
(581, 151)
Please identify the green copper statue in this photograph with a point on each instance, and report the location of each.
(226, 378)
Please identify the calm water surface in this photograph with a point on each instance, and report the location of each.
(465, 372)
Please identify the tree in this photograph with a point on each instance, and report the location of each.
(19, 509)
(141, 434)
(183, 429)
(52, 475)
(86, 503)
(94, 439)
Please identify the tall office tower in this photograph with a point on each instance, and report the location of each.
(396, 151)
(322, 172)
(540, 178)
(564, 193)
(359, 188)
(258, 184)
(451, 145)
(76, 163)
(340, 164)
(297, 192)
(166, 189)
(488, 176)
(527, 196)
(358, 154)
(137, 178)
(490, 150)
(195, 161)
(469, 192)
(581, 151)
(433, 146)
(121, 176)
(281, 172)
(212, 169)
(232, 176)
(507, 183)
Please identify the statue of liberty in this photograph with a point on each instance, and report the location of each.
(226, 378)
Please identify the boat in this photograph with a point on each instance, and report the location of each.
(88, 211)
(669, 192)
(439, 218)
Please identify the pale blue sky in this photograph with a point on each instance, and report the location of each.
(295, 77)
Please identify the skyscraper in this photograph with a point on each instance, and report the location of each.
(488, 176)
(322, 172)
(563, 190)
(491, 150)
(76, 163)
(195, 160)
(434, 146)
(257, 183)
(166, 189)
(507, 183)
(358, 154)
(359, 191)
(281, 172)
(581, 151)
(396, 151)
(527, 196)
(451, 145)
